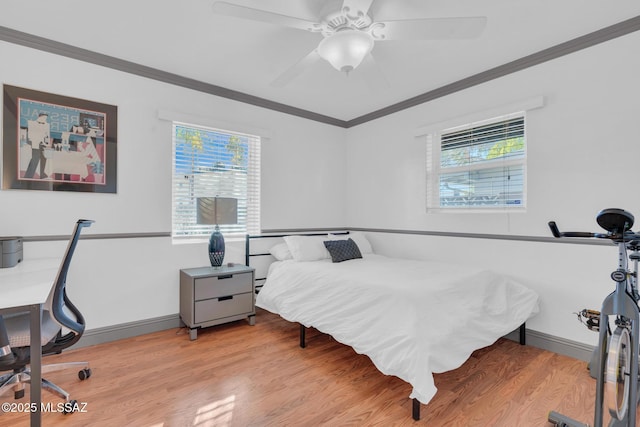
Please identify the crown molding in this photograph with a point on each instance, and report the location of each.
(40, 43)
(600, 36)
(557, 51)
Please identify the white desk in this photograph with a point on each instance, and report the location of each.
(26, 287)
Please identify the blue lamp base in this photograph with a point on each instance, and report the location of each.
(216, 248)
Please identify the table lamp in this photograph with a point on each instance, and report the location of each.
(217, 210)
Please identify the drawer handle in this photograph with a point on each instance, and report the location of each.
(225, 276)
(225, 298)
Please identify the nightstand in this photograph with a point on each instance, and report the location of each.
(213, 295)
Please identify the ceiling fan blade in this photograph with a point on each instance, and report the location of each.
(352, 7)
(430, 29)
(296, 69)
(243, 12)
(372, 74)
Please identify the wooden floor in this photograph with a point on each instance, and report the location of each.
(239, 375)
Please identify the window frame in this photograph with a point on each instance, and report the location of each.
(252, 204)
(429, 136)
(435, 170)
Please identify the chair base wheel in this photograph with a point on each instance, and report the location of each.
(70, 407)
(84, 374)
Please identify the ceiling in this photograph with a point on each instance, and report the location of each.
(187, 39)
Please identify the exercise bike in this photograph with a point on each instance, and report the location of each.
(616, 356)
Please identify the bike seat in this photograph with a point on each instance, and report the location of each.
(615, 220)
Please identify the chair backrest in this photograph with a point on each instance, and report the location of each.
(57, 299)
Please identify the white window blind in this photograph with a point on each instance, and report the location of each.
(479, 165)
(211, 162)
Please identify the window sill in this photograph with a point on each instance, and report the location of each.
(201, 240)
(517, 210)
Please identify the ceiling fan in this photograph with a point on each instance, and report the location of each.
(349, 33)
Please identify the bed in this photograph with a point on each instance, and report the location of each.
(411, 318)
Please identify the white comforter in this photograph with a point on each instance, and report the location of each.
(412, 318)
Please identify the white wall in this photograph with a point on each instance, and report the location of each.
(583, 155)
(124, 280)
(582, 144)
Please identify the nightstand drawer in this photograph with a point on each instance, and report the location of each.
(222, 285)
(224, 306)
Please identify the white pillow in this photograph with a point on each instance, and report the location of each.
(307, 248)
(341, 236)
(356, 236)
(281, 252)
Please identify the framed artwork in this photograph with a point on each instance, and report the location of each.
(58, 143)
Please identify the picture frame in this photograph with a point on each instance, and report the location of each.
(58, 143)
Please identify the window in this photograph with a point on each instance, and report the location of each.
(480, 165)
(212, 162)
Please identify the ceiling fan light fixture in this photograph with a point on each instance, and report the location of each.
(346, 49)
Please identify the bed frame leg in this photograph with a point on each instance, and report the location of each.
(416, 409)
(303, 333)
(523, 335)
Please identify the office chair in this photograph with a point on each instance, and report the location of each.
(62, 326)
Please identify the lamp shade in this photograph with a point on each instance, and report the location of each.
(346, 49)
(217, 210)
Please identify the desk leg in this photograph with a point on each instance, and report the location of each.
(35, 390)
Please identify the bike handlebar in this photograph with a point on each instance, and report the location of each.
(556, 232)
(616, 237)
(554, 229)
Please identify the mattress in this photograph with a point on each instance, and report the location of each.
(411, 318)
